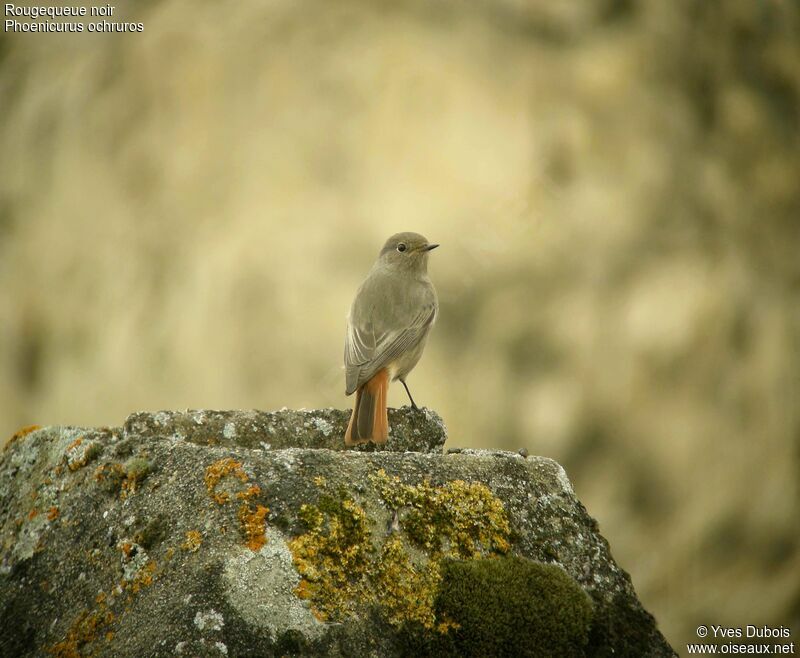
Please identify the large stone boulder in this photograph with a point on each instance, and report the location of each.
(255, 534)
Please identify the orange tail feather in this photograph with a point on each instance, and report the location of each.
(369, 420)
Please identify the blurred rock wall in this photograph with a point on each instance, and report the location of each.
(186, 213)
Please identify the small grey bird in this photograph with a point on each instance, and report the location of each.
(387, 327)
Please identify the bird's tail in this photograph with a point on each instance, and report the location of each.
(369, 420)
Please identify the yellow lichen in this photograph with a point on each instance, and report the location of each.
(333, 558)
(123, 478)
(341, 571)
(457, 519)
(87, 627)
(193, 541)
(110, 476)
(407, 591)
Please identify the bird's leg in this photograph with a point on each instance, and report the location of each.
(413, 404)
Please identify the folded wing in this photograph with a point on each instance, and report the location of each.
(371, 345)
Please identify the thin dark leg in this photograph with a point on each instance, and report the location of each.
(413, 404)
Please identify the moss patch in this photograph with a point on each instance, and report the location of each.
(124, 479)
(511, 606)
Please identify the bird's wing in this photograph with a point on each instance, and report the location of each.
(370, 345)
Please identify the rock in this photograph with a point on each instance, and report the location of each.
(207, 533)
(409, 430)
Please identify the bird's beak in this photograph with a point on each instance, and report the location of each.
(429, 247)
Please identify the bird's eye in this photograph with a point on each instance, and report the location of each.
(401, 247)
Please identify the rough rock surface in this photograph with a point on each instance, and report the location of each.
(409, 430)
(206, 533)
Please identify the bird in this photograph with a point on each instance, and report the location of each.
(387, 327)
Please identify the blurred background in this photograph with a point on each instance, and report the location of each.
(186, 213)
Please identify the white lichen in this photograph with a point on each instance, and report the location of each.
(261, 588)
(323, 426)
(210, 620)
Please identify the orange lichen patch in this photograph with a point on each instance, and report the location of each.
(193, 541)
(250, 492)
(75, 443)
(83, 631)
(33, 514)
(220, 469)
(21, 433)
(144, 578)
(86, 628)
(80, 452)
(252, 516)
(253, 525)
(127, 549)
(52, 514)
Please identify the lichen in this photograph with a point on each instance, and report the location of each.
(193, 541)
(408, 591)
(153, 532)
(21, 433)
(342, 571)
(84, 630)
(333, 557)
(125, 478)
(217, 471)
(109, 477)
(457, 519)
(92, 625)
(252, 522)
(251, 515)
(81, 452)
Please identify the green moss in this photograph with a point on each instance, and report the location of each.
(122, 478)
(509, 606)
(152, 533)
(137, 468)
